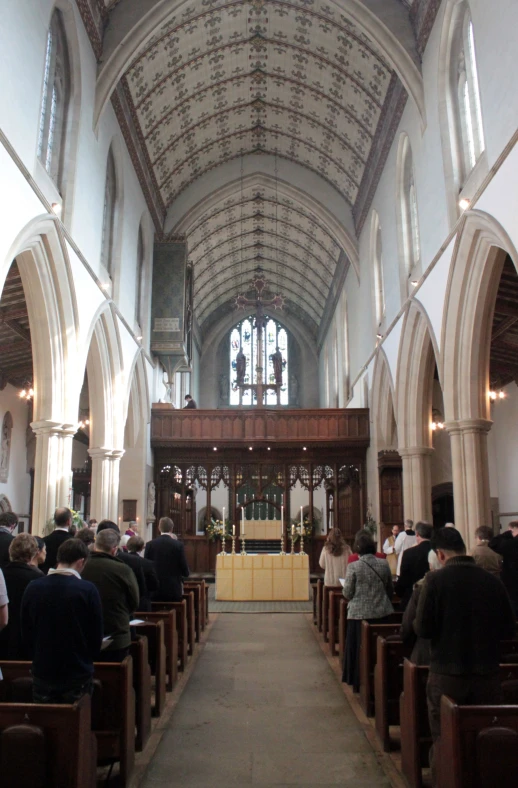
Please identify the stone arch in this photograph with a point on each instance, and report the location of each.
(383, 412)
(113, 281)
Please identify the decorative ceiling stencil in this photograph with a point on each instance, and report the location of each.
(297, 79)
(258, 228)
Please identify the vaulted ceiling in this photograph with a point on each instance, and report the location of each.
(317, 83)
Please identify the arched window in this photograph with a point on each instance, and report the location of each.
(407, 203)
(110, 204)
(245, 336)
(466, 95)
(139, 275)
(377, 259)
(55, 101)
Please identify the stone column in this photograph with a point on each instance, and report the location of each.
(417, 483)
(471, 496)
(52, 470)
(105, 483)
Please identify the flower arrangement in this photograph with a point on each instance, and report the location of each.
(308, 526)
(216, 528)
(77, 520)
(370, 523)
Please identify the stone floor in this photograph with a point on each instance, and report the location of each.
(263, 707)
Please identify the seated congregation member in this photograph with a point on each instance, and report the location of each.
(368, 589)
(482, 553)
(168, 556)
(135, 546)
(61, 621)
(333, 558)
(389, 549)
(509, 552)
(41, 555)
(8, 524)
(465, 612)
(60, 534)
(118, 590)
(18, 573)
(414, 563)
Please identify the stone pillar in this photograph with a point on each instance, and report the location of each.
(417, 483)
(471, 496)
(104, 502)
(52, 470)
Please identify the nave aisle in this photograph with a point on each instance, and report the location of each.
(263, 707)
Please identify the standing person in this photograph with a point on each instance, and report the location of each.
(61, 622)
(368, 589)
(131, 530)
(389, 549)
(41, 555)
(135, 547)
(118, 590)
(414, 563)
(126, 558)
(405, 540)
(18, 573)
(4, 601)
(465, 612)
(191, 404)
(168, 556)
(8, 523)
(482, 553)
(333, 558)
(60, 534)
(509, 552)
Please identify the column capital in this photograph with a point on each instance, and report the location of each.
(102, 453)
(46, 427)
(463, 426)
(415, 451)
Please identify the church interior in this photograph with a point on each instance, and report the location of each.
(259, 274)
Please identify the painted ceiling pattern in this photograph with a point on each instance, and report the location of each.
(295, 78)
(257, 228)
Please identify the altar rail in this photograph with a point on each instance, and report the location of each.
(348, 427)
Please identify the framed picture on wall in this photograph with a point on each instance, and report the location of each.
(129, 510)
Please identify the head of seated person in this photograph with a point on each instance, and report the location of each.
(23, 549)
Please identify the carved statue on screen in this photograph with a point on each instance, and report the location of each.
(276, 359)
(240, 367)
(5, 448)
(151, 496)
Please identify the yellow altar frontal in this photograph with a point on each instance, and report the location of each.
(262, 578)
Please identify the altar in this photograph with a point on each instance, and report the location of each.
(262, 577)
(263, 529)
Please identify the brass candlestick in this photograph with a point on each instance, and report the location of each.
(223, 544)
(292, 537)
(282, 544)
(301, 551)
(233, 542)
(243, 545)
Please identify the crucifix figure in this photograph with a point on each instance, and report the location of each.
(277, 302)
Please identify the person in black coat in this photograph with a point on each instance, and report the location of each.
(135, 545)
(18, 573)
(168, 556)
(8, 523)
(63, 520)
(510, 564)
(414, 564)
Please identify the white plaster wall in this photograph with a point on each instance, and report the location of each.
(504, 436)
(18, 486)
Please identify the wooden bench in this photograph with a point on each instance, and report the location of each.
(191, 620)
(181, 627)
(335, 597)
(327, 591)
(320, 596)
(142, 687)
(368, 655)
(112, 708)
(47, 746)
(342, 629)
(478, 746)
(154, 632)
(198, 588)
(170, 641)
(314, 592)
(388, 686)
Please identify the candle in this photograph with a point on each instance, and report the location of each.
(282, 521)
(242, 523)
(224, 518)
(301, 520)
(237, 500)
(292, 529)
(282, 498)
(233, 530)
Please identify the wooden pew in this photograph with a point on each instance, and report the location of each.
(335, 597)
(191, 618)
(181, 627)
(198, 587)
(327, 591)
(368, 654)
(47, 746)
(142, 687)
(478, 746)
(112, 707)
(320, 596)
(170, 641)
(416, 738)
(154, 632)
(388, 686)
(342, 629)
(314, 591)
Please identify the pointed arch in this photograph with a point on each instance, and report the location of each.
(108, 400)
(382, 405)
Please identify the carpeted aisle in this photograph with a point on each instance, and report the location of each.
(263, 707)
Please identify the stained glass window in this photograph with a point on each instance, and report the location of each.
(245, 336)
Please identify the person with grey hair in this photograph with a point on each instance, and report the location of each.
(414, 564)
(118, 590)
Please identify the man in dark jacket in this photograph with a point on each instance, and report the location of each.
(62, 627)
(18, 573)
(118, 590)
(168, 557)
(465, 612)
(135, 545)
(414, 563)
(60, 534)
(130, 560)
(8, 523)
(510, 565)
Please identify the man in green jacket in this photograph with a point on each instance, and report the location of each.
(118, 590)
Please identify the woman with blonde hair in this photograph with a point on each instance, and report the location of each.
(334, 557)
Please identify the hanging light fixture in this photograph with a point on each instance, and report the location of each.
(27, 391)
(437, 420)
(494, 395)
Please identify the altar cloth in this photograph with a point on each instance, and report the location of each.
(262, 577)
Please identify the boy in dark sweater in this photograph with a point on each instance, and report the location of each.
(465, 612)
(62, 626)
